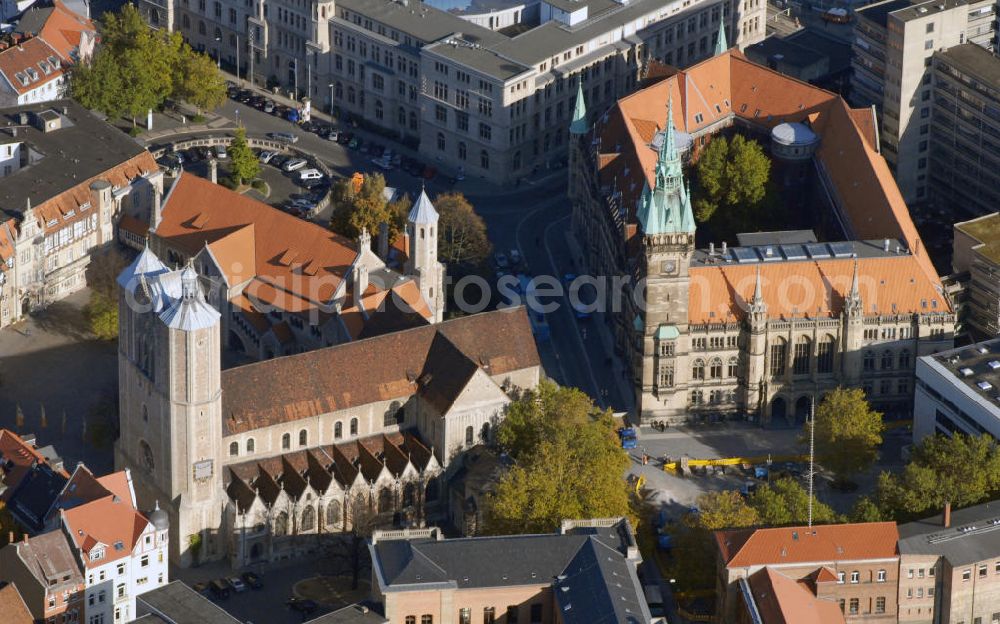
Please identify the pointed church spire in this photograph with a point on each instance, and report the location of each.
(579, 123)
(855, 290)
(721, 45)
(853, 301)
(665, 207)
(758, 290)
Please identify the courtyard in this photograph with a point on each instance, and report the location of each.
(63, 381)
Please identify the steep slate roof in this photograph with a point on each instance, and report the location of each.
(17, 458)
(383, 368)
(795, 545)
(729, 85)
(592, 579)
(782, 600)
(12, 605)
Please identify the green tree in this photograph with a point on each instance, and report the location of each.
(574, 470)
(939, 472)
(366, 208)
(197, 80)
(461, 232)
(785, 502)
(245, 166)
(848, 433)
(102, 316)
(732, 183)
(725, 509)
(865, 510)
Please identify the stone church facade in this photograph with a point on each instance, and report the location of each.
(764, 330)
(254, 463)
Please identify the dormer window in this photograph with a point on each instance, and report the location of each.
(97, 553)
(46, 69)
(32, 74)
(54, 62)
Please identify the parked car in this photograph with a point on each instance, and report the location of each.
(203, 151)
(266, 156)
(321, 184)
(286, 137)
(220, 588)
(629, 437)
(238, 585)
(307, 126)
(252, 580)
(220, 152)
(345, 138)
(268, 106)
(292, 115)
(354, 143)
(310, 174)
(244, 96)
(332, 135)
(302, 605)
(279, 159)
(294, 164)
(201, 588)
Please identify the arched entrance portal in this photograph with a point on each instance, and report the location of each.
(779, 412)
(802, 410)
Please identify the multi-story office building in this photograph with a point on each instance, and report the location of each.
(959, 391)
(949, 567)
(965, 130)
(894, 43)
(488, 100)
(976, 261)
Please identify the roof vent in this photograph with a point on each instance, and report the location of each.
(966, 372)
(985, 386)
(993, 364)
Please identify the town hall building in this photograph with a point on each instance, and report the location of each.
(764, 328)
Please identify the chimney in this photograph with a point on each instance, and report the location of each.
(723, 247)
(711, 249)
(947, 514)
(213, 171)
(885, 245)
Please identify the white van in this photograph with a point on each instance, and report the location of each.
(310, 174)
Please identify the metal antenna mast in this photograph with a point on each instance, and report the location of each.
(812, 454)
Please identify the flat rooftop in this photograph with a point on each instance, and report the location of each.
(977, 367)
(796, 251)
(974, 535)
(973, 59)
(984, 229)
(84, 147)
(879, 12)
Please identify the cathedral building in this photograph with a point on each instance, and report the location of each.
(284, 285)
(764, 328)
(253, 463)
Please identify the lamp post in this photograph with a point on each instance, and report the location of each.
(331, 99)
(239, 81)
(218, 52)
(250, 41)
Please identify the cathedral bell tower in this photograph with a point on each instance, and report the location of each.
(668, 229)
(854, 331)
(170, 402)
(757, 348)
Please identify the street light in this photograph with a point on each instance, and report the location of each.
(218, 52)
(331, 99)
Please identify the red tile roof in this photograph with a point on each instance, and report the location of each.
(21, 457)
(783, 600)
(108, 520)
(64, 29)
(710, 94)
(12, 606)
(27, 66)
(817, 288)
(382, 368)
(797, 545)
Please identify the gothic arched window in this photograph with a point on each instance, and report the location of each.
(308, 519)
(281, 524)
(338, 430)
(286, 441)
(333, 512)
(303, 437)
(234, 449)
(250, 445)
(354, 426)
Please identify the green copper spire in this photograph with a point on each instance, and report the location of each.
(579, 123)
(721, 45)
(666, 208)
